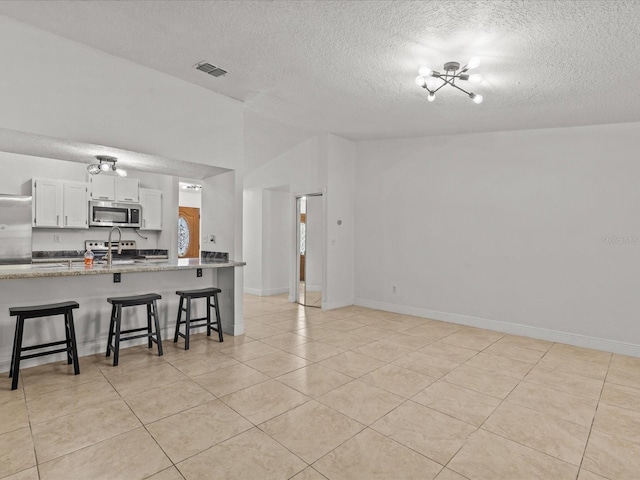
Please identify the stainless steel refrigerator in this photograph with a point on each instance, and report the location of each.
(15, 229)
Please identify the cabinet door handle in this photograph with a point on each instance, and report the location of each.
(66, 220)
(144, 222)
(130, 199)
(104, 198)
(57, 220)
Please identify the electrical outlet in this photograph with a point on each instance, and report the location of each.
(393, 289)
(198, 272)
(212, 238)
(56, 238)
(116, 278)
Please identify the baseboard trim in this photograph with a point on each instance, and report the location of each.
(337, 304)
(266, 293)
(575, 339)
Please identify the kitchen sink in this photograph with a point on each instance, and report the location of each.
(115, 262)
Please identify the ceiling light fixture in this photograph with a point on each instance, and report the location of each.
(191, 186)
(449, 78)
(106, 164)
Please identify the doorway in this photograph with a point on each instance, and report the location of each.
(310, 250)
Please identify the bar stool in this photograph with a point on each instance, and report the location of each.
(148, 299)
(189, 295)
(23, 313)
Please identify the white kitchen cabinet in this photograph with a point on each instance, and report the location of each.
(103, 187)
(59, 204)
(151, 201)
(127, 190)
(117, 189)
(75, 202)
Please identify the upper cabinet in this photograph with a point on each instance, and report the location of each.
(127, 190)
(103, 187)
(151, 202)
(59, 204)
(119, 189)
(75, 196)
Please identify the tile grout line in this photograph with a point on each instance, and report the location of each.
(593, 420)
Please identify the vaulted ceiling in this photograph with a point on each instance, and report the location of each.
(348, 67)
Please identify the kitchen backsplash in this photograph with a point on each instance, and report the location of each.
(214, 256)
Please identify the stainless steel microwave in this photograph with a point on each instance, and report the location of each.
(111, 214)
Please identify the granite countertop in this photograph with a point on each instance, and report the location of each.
(70, 268)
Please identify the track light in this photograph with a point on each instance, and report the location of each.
(449, 77)
(476, 98)
(106, 163)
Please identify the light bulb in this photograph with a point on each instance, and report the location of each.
(476, 98)
(105, 167)
(424, 72)
(431, 97)
(93, 169)
(420, 81)
(475, 78)
(473, 63)
(120, 171)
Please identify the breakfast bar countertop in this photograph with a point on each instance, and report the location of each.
(68, 268)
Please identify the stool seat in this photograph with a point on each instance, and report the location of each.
(133, 300)
(189, 322)
(38, 311)
(203, 292)
(115, 331)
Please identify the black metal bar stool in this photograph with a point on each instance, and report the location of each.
(23, 313)
(148, 299)
(189, 295)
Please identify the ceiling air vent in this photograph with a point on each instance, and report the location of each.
(210, 69)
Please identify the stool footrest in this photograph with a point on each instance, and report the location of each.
(48, 352)
(44, 345)
(142, 335)
(131, 330)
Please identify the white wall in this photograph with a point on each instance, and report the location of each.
(277, 239)
(252, 240)
(189, 198)
(58, 88)
(301, 169)
(267, 240)
(531, 232)
(218, 214)
(340, 207)
(322, 164)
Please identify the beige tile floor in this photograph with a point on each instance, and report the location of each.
(347, 394)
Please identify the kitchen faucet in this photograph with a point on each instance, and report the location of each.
(109, 252)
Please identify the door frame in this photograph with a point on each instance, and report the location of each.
(294, 271)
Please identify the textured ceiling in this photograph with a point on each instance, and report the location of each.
(348, 67)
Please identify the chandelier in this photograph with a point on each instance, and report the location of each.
(449, 77)
(106, 164)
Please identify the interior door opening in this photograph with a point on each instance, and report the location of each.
(309, 252)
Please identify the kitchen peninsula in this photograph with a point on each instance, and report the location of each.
(90, 287)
